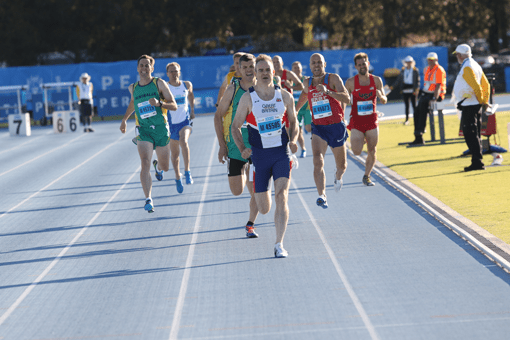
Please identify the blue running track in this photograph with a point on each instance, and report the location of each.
(81, 259)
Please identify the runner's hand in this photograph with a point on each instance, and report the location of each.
(246, 153)
(293, 147)
(123, 126)
(223, 154)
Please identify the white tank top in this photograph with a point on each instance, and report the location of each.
(269, 118)
(180, 94)
(85, 91)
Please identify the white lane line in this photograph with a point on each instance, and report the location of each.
(20, 145)
(475, 242)
(27, 291)
(58, 179)
(176, 322)
(339, 270)
(44, 154)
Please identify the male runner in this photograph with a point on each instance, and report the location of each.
(365, 88)
(289, 80)
(230, 75)
(238, 167)
(326, 94)
(180, 124)
(264, 108)
(150, 111)
(304, 116)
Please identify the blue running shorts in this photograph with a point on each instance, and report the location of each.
(334, 134)
(176, 128)
(273, 162)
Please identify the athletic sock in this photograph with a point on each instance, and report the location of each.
(249, 224)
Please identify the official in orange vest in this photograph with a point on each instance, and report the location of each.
(434, 89)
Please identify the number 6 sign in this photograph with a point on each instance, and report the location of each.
(65, 121)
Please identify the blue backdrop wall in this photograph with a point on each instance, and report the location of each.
(111, 80)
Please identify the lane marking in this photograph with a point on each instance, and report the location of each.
(44, 154)
(474, 242)
(359, 307)
(174, 331)
(28, 141)
(59, 178)
(46, 271)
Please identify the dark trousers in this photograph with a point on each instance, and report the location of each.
(421, 114)
(409, 97)
(85, 112)
(472, 127)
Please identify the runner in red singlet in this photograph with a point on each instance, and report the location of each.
(289, 80)
(365, 88)
(326, 94)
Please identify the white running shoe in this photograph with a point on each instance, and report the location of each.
(338, 184)
(279, 251)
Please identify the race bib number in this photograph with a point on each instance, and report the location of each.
(321, 108)
(146, 110)
(270, 126)
(365, 108)
(180, 100)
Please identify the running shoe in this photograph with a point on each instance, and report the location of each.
(189, 179)
(338, 184)
(322, 201)
(159, 174)
(250, 232)
(279, 251)
(294, 164)
(178, 184)
(91, 130)
(149, 206)
(303, 154)
(367, 181)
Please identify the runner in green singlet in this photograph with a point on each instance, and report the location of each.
(150, 99)
(238, 167)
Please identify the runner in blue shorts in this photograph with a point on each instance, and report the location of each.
(264, 108)
(180, 123)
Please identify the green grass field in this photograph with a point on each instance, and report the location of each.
(481, 196)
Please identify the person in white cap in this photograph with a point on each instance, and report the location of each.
(84, 91)
(434, 89)
(471, 91)
(408, 82)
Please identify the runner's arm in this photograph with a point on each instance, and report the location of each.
(297, 84)
(130, 109)
(303, 97)
(221, 111)
(222, 90)
(380, 90)
(169, 100)
(191, 99)
(288, 100)
(244, 108)
(339, 92)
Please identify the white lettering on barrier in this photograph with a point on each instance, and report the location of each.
(209, 102)
(115, 102)
(125, 101)
(106, 81)
(19, 124)
(198, 102)
(124, 82)
(39, 106)
(102, 102)
(337, 67)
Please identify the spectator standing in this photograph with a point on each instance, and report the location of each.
(408, 82)
(84, 91)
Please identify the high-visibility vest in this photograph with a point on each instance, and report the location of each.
(433, 76)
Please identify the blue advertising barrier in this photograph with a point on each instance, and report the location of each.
(111, 80)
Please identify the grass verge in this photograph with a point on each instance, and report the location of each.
(481, 196)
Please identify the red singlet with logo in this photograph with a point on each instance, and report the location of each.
(325, 109)
(283, 84)
(363, 113)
